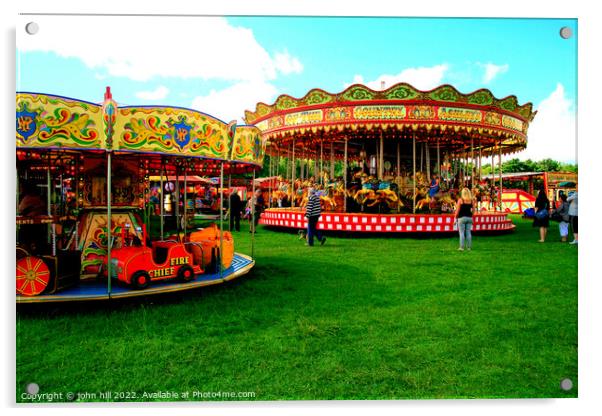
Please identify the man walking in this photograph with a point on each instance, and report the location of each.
(312, 213)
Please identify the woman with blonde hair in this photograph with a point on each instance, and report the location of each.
(464, 209)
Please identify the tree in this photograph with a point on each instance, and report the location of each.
(516, 165)
(548, 165)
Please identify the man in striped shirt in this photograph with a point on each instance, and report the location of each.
(312, 213)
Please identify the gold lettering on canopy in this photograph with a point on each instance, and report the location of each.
(460, 114)
(274, 122)
(512, 123)
(379, 112)
(304, 117)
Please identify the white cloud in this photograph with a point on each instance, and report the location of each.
(287, 64)
(231, 103)
(492, 71)
(423, 78)
(158, 94)
(141, 48)
(552, 133)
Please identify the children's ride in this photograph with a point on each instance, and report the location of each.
(83, 172)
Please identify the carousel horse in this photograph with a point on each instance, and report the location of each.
(327, 199)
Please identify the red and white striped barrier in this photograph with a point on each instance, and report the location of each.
(382, 223)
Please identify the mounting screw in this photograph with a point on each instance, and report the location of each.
(566, 32)
(566, 384)
(32, 28)
(32, 388)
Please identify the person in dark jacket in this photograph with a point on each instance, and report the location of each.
(235, 211)
(312, 213)
(573, 215)
(563, 214)
(259, 202)
(542, 206)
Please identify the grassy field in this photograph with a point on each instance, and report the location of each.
(359, 318)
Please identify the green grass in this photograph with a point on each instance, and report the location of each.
(359, 318)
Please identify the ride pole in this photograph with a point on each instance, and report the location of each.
(398, 159)
(109, 222)
(48, 199)
(428, 160)
(229, 200)
(472, 168)
(292, 180)
(161, 201)
(331, 161)
(345, 179)
(480, 160)
(270, 184)
(253, 217)
(500, 163)
(381, 157)
(414, 169)
(221, 220)
(175, 207)
(321, 161)
(438, 170)
(185, 197)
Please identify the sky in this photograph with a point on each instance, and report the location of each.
(226, 65)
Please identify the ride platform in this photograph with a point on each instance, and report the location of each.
(98, 290)
(287, 218)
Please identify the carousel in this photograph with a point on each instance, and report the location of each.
(392, 160)
(89, 224)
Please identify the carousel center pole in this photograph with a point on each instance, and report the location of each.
(109, 238)
(221, 220)
(414, 169)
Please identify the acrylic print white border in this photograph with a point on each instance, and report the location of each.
(589, 152)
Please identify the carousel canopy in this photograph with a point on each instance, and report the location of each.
(159, 135)
(359, 114)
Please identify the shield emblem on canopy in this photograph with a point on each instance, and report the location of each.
(26, 123)
(181, 134)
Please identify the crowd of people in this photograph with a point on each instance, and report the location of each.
(566, 213)
(468, 203)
